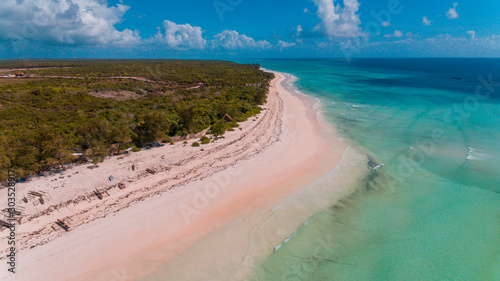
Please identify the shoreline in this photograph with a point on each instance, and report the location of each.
(284, 150)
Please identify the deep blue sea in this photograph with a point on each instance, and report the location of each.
(429, 206)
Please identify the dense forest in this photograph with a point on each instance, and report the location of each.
(99, 107)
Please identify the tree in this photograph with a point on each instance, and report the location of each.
(121, 135)
(24, 158)
(95, 135)
(154, 127)
(42, 121)
(52, 148)
(4, 159)
(186, 116)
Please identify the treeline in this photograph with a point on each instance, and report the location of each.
(45, 121)
(211, 73)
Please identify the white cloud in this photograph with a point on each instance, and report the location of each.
(299, 30)
(442, 46)
(232, 40)
(471, 33)
(181, 36)
(411, 35)
(285, 45)
(426, 21)
(306, 11)
(337, 21)
(385, 24)
(87, 22)
(396, 34)
(452, 12)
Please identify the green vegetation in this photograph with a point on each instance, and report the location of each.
(205, 140)
(89, 109)
(195, 144)
(218, 128)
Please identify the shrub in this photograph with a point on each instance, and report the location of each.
(97, 160)
(195, 144)
(205, 140)
(218, 128)
(171, 143)
(83, 122)
(136, 149)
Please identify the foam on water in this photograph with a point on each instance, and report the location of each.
(428, 207)
(477, 154)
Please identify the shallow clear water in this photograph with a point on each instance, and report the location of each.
(429, 206)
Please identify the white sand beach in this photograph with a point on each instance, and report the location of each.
(131, 232)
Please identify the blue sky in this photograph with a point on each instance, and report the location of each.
(225, 29)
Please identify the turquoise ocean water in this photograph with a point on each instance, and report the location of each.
(429, 206)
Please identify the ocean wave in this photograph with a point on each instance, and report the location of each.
(283, 243)
(477, 154)
(317, 104)
(378, 166)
